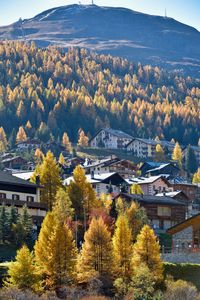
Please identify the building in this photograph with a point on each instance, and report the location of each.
(186, 234)
(18, 192)
(31, 144)
(162, 212)
(16, 162)
(145, 148)
(189, 189)
(110, 139)
(106, 183)
(111, 164)
(164, 168)
(151, 185)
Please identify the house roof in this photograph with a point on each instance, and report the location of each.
(114, 132)
(6, 178)
(12, 159)
(96, 178)
(146, 180)
(153, 142)
(162, 166)
(152, 199)
(185, 224)
(170, 194)
(23, 175)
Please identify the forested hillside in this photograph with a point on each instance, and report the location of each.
(49, 91)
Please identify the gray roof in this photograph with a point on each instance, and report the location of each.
(115, 132)
(154, 143)
(148, 199)
(6, 178)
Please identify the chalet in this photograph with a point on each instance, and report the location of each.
(151, 185)
(110, 139)
(32, 144)
(111, 164)
(186, 234)
(189, 189)
(145, 148)
(164, 168)
(16, 162)
(163, 212)
(107, 183)
(18, 192)
(177, 195)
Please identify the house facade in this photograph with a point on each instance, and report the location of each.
(106, 183)
(151, 185)
(110, 139)
(162, 212)
(18, 192)
(145, 148)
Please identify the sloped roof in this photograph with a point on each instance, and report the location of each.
(114, 132)
(185, 224)
(6, 178)
(146, 180)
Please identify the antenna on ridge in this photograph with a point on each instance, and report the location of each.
(165, 13)
(92, 2)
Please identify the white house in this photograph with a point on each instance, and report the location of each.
(145, 148)
(110, 139)
(103, 183)
(18, 192)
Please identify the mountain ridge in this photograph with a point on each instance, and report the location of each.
(117, 31)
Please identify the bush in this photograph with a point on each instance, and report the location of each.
(180, 290)
(187, 272)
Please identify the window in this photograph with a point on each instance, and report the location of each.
(164, 211)
(30, 199)
(2, 196)
(15, 197)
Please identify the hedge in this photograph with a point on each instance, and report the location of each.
(186, 271)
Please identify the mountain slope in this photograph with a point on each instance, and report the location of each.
(117, 31)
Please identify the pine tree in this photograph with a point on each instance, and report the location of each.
(12, 219)
(21, 135)
(22, 272)
(66, 142)
(83, 139)
(191, 164)
(4, 226)
(122, 248)
(177, 154)
(137, 218)
(196, 177)
(146, 252)
(81, 194)
(136, 189)
(95, 258)
(159, 153)
(55, 252)
(49, 173)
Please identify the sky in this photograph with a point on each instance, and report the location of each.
(184, 11)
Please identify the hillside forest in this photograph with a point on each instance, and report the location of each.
(50, 91)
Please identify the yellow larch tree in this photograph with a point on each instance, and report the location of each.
(95, 258)
(66, 142)
(122, 248)
(21, 135)
(55, 252)
(83, 139)
(146, 252)
(38, 156)
(49, 174)
(61, 159)
(81, 193)
(3, 141)
(159, 153)
(196, 177)
(136, 189)
(177, 154)
(63, 206)
(137, 219)
(22, 273)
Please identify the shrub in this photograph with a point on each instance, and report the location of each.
(180, 290)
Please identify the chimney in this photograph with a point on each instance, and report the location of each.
(37, 181)
(92, 174)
